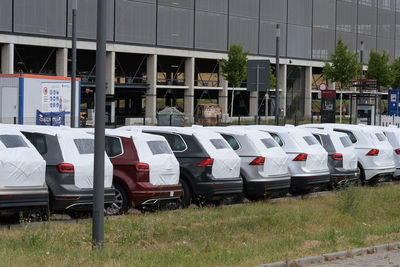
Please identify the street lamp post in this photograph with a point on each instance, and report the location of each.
(361, 61)
(277, 98)
(73, 64)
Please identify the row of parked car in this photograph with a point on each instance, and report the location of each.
(51, 168)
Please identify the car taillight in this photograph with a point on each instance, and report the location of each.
(65, 168)
(337, 156)
(206, 163)
(397, 151)
(373, 152)
(301, 157)
(142, 167)
(258, 161)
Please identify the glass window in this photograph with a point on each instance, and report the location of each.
(159, 147)
(113, 146)
(310, 140)
(218, 143)
(13, 141)
(231, 141)
(352, 137)
(40, 144)
(176, 142)
(318, 138)
(380, 137)
(277, 138)
(345, 141)
(269, 143)
(85, 146)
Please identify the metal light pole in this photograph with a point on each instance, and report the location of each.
(73, 64)
(361, 61)
(99, 138)
(277, 98)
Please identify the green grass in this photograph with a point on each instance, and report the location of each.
(240, 235)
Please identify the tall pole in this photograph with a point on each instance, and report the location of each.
(277, 98)
(73, 64)
(258, 92)
(361, 61)
(99, 138)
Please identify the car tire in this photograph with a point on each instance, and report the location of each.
(186, 194)
(120, 204)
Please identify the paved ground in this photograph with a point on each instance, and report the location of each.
(387, 259)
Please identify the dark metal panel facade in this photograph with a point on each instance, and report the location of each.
(211, 31)
(324, 14)
(275, 10)
(367, 18)
(348, 38)
(388, 45)
(346, 17)
(299, 41)
(86, 19)
(135, 22)
(42, 17)
(268, 38)
(247, 9)
(215, 6)
(386, 23)
(175, 27)
(244, 31)
(300, 12)
(323, 43)
(6, 15)
(177, 3)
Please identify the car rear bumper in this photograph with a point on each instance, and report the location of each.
(25, 200)
(379, 173)
(78, 200)
(308, 182)
(339, 178)
(262, 187)
(219, 189)
(147, 194)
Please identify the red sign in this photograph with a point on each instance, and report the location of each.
(87, 90)
(323, 87)
(45, 90)
(328, 94)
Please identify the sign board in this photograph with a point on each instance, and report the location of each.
(56, 97)
(50, 118)
(393, 102)
(328, 106)
(322, 87)
(258, 74)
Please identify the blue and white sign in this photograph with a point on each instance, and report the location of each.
(56, 97)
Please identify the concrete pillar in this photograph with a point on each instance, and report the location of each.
(62, 62)
(223, 94)
(110, 79)
(331, 85)
(308, 93)
(151, 94)
(189, 93)
(112, 111)
(7, 58)
(253, 105)
(283, 87)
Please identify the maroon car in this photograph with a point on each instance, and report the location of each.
(146, 172)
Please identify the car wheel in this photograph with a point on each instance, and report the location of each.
(186, 194)
(120, 204)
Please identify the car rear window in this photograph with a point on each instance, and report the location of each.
(159, 147)
(269, 143)
(176, 142)
(277, 138)
(231, 141)
(318, 138)
(13, 141)
(113, 146)
(380, 137)
(310, 140)
(218, 143)
(85, 146)
(352, 137)
(345, 141)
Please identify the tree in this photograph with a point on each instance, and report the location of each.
(343, 67)
(234, 70)
(378, 68)
(395, 73)
(272, 78)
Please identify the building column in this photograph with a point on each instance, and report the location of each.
(189, 93)
(7, 58)
(110, 70)
(223, 94)
(62, 62)
(151, 93)
(308, 93)
(283, 88)
(253, 106)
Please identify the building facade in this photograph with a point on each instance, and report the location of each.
(165, 52)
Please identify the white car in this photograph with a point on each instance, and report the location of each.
(307, 158)
(264, 167)
(374, 152)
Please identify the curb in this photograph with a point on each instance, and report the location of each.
(327, 257)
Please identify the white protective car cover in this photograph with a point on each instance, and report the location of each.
(20, 166)
(226, 161)
(385, 156)
(349, 154)
(83, 163)
(317, 157)
(163, 167)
